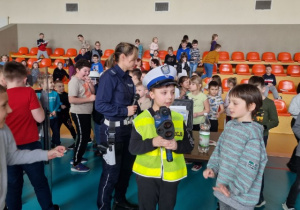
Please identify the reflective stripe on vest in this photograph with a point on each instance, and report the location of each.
(154, 164)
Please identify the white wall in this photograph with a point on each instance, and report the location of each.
(141, 12)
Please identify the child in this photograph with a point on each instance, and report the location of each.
(154, 63)
(201, 106)
(4, 59)
(9, 153)
(53, 101)
(189, 45)
(195, 57)
(155, 56)
(231, 83)
(184, 84)
(136, 75)
(27, 111)
(140, 48)
(71, 67)
(42, 47)
(97, 66)
(84, 43)
(158, 179)
(216, 78)
(213, 42)
(270, 83)
(239, 158)
(35, 72)
(83, 55)
(153, 46)
(184, 49)
(144, 102)
(59, 73)
(267, 117)
(64, 113)
(216, 105)
(29, 81)
(183, 66)
(81, 97)
(170, 58)
(210, 60)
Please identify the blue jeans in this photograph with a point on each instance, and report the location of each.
(208, 69)
(193, 67)
(36, 175)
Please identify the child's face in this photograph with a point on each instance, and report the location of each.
(135, 80)
(268, 70)
(95, 59)
(170, 52)
(139, 63)
(82, 51)
(42, 36)
(59, 87)
(239, 110)
(163, 96)
(216, 38)
(194, 87)
(184, 59)
(153, 65)
(156, 40)
(230, 85)
(4, 58)
(80, 38)
(137, 43)
(213, 90)
(59, 65)
(155, 53)
(183, 45)
(4, 108)
(50, 84)
(186, 84)
(35, 66)
(24, 63)
(97, 46)
(141, 90)
(261, 89)
(195, 46)
(83, 73)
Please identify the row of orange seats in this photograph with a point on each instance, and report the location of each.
(45, 62)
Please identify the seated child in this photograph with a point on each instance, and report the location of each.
(144, 102)
(59, 73)
(184, 86)
(157, 179)
(239, 158)
(96, 66)
(170, 58)
(270, 83)
(155, 56)
(4, 59)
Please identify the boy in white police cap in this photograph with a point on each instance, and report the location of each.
(157, 179)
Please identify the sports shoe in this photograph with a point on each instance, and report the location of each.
(90, 141)
(261, 203)
(83, 160)
(56, 207)
(71, 147)
(196, 167)
(279, 98)
(285, 207)
(292, 167)
(125, 205)
(80, 168)
(39, 60)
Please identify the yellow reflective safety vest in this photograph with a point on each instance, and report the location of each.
(154, 164)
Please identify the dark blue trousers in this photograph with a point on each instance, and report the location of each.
(54, 125)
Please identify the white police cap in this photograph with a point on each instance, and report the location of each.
(160, 76)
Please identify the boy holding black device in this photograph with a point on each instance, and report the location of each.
(150, 148)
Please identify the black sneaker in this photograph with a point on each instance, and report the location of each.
(125, 205)
(71, 147)
(292, 167)
(56, 207)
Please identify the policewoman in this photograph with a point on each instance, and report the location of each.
(157, 179)
(114, 100)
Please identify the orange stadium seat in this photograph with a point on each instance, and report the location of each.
(278, 70)
(146, 65)
(147, 55)
(293, 70)
(49, 51)
(224, 84)
(281, 108)
(225, 69)
(287, 87)
(175, 52)
(258, 69)
(58, 52)
(46, 62)
(31, 61)
(285, 57)
(269, 57)
(19, 60)
(244, 81)
(33, 51)
(238, 56)
(206, 80)
(297, 57)
(56, 62)
(71, 52)
(22, 51)
(107, 53)
(253, 57)
(162, 54)
(242, 69)
(224, 56)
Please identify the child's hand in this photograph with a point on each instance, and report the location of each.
(53, 114)
(88, 80)
(63, 106)
(92, 97)
(222, 189)
(196, 114)
(208, 173)
(159, 141)
(172, 145)
(200, 64)
(218, 114)
(56, 152)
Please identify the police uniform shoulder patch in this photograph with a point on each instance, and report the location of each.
(112, 72)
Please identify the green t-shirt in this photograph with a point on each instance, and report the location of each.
(198, 106)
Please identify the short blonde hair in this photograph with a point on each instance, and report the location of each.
(43, 77)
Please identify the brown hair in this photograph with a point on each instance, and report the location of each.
(97, 42)
(183, 41)
(213, 37)
(218, 46)
(140, 84)
(217, 78)
(213, 84)
(14, 70)
(249, 93)
(124, 48)
(195, 41)
(170, 48)
(154, 39)
(1, 69)
(256, 81)
(82, 63)
(137, 73)
(137, 40)
(182, 79)
(232, 80)
(110, 62)
(58, 81)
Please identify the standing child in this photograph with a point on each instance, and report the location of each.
(218, 79)
(27, 111)
(64, 113)
(42, 44)
(4, 59)
(59, 73)
(213, 42)
(267, 117)
(156, 178)
(240, 157)
(81, 97)
(201, 106)
(35, 72)
(184, 49)
(153, 46)
(47, 85)
(170, 58)
(231, 83)
(189, 45)
(97, 66)
(195, 57)
(140, 48)
(216, 105)
(270, 83)
(210, 60)
(183, 66)
(144, 102)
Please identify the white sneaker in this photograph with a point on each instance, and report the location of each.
(261, 204)
(285, 207)
(279, 98)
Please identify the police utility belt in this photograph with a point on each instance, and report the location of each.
(118, 123)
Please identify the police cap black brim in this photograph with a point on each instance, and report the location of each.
(162, 83)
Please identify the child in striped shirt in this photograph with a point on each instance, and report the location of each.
(240, 157)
